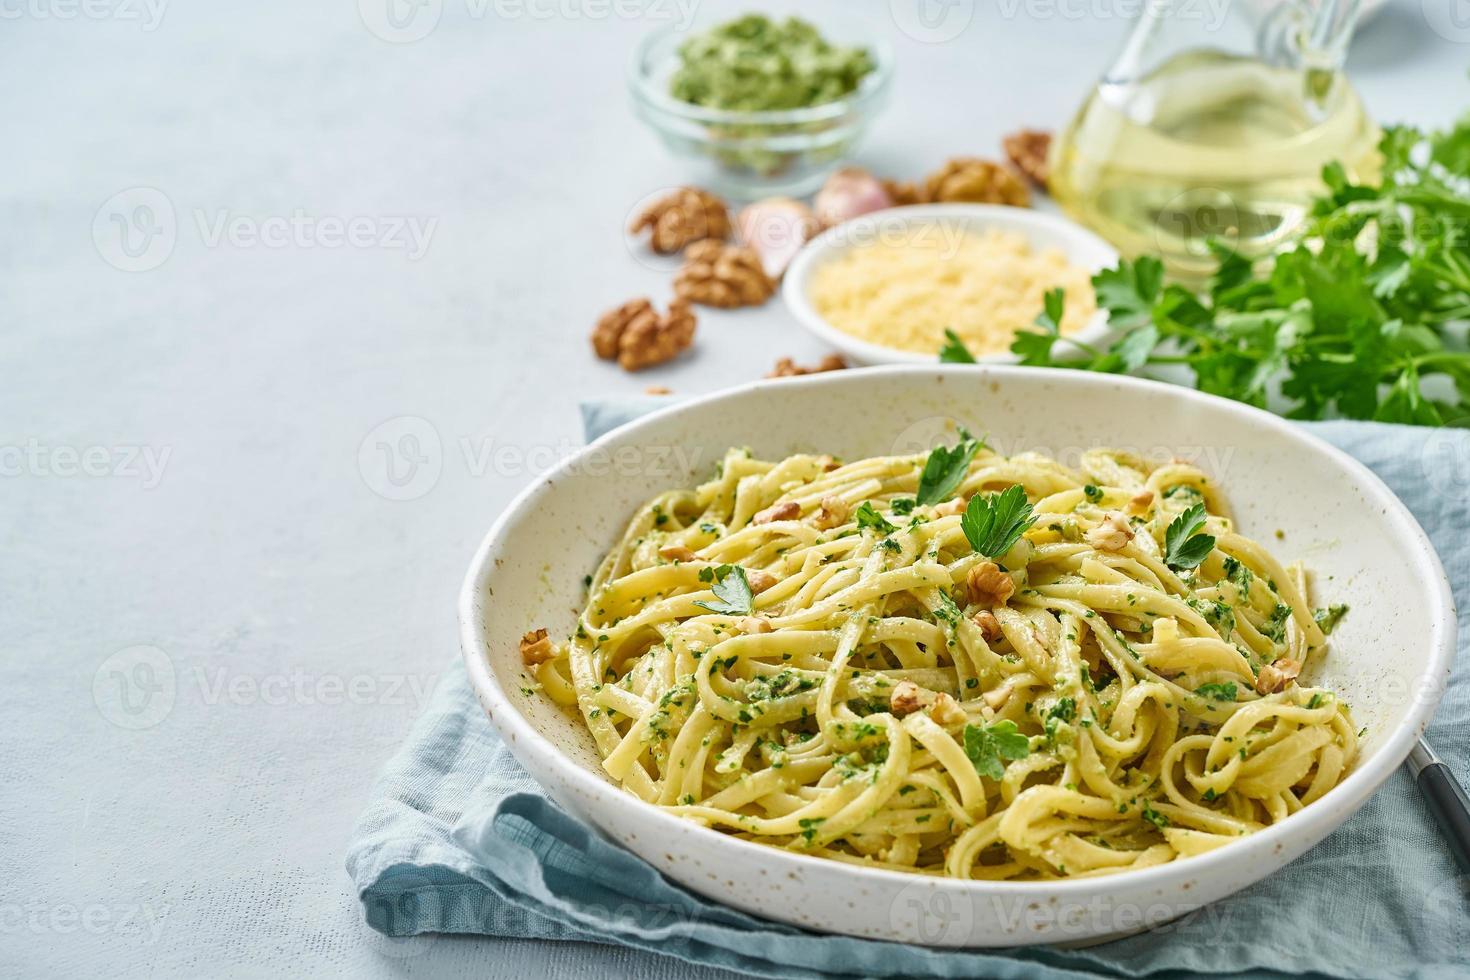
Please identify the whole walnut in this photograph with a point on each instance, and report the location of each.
(680, 217)
(904, 192)
(637, 337)
(1027, 151)
(977, 181)
(716, 274)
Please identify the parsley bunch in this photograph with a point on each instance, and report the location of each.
(1363, 319)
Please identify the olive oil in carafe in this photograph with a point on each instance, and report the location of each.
(1209, 145)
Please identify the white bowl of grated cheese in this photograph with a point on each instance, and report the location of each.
(883, 288)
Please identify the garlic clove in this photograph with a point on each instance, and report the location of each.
(848, 193)
(775, 228)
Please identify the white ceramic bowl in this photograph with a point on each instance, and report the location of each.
(1390, 658)
(1041, 230)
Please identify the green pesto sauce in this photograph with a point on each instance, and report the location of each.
(755, 64)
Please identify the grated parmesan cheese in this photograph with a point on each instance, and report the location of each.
(905, 292)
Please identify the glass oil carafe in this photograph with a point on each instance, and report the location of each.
(1214, 123)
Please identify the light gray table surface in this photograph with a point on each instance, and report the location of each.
(215, 622)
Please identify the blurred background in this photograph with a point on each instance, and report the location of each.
(293, 298)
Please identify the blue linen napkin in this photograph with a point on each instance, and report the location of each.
(459, 839)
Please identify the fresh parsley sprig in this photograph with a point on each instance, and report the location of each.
(988, 745)
(1363, 318)
(732, 591)
(954, 350)
(993, 523)
(1185, 546)
(946, 468)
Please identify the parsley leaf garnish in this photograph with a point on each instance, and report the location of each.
(869, 519)
(732, 591)
(987, 745)
(946, 468)
(1220, 692)
(1184, 547)
(993, 523)
(954, 350)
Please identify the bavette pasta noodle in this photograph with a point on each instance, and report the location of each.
(958, 663)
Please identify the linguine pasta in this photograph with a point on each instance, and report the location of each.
(961, 663)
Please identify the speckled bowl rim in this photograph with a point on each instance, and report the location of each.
(1261, 850)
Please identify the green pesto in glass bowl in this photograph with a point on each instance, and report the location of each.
(759, 107)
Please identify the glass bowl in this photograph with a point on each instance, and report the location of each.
(751, 155)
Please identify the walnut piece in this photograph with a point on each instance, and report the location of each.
(1112, 534)
(716, 274)
(536, 648)
(759, 581)
(946, 711)
(1140, 502)
(977, 181)
(904, 192)
(637, 337)
(1027, 151)
(989, 626)
(777, 512)
(834, 513)
(607, 336)
(989, 586)
(1274, 677)
(787, 368)
(909, 697)
(753, 624)
(680, 217)
(675, 552)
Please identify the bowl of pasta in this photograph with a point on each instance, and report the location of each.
(960, 655)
